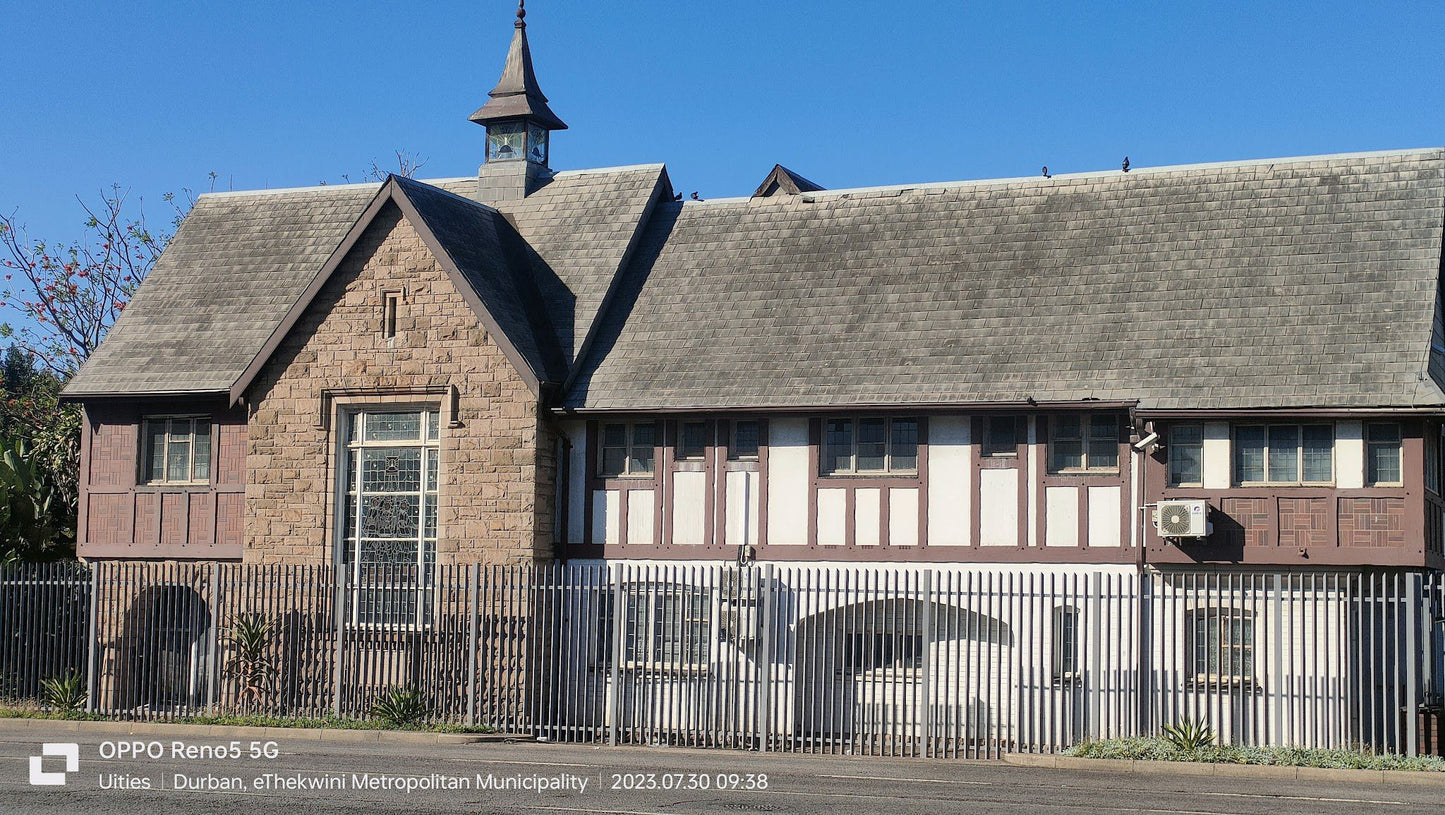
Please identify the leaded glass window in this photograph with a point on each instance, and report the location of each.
(870, 446)
(1082, 442)
(390, 514)
(1284, 454)
(177, 450)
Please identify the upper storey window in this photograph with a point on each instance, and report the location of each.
(870, 446)
(1382, 455)
(1284, 454)
(1186, 455)
(177, 450)
(627, 449)
(1086, 442)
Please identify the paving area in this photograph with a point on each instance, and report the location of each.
(208, 773)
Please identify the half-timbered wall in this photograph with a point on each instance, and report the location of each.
(121, 516)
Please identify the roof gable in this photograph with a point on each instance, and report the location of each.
(481, 254)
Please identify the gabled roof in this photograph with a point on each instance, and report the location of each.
(1289, 283)
(482, 255)
(782, 180)
(241, 261)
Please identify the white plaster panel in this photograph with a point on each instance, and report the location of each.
(1105, 527)
(576, 486)
(788, 482)
(689, 508)
(742, 512)
(606, 519)
(1036, 451)
(998, 502)
(903, 517)
(867, 517)
(1061, 524)
(1350, 455)
(1216, 455)
(832, 517)
(950, 473)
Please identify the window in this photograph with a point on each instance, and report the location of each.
(747, 436)
(1066, 643)
(872, 445)
(627, 449)
(1186, 455)
(874, 650)
(1001, 436)
(177, 450)
(1284, 454)
(692, 440)
(389, 531)
(668, 626)
(390, 302)
(1223, 645)
(1382, 454)
(1084, 442)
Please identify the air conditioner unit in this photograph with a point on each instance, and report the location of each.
(1187, 518)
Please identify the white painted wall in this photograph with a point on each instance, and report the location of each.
(788, 482)
(1216, 455)
(1104, 508)
(903, 517)
(689, 508)
(742, 509)
(867, 517)
(832, 506)
(1036, 452)
(999, 507)
(606, 518)
(1349, 455)
(950, 477)
(576, 433)
(1061, 524)
(640, 521)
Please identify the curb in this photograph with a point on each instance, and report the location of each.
(1255, 771)
(316, 734)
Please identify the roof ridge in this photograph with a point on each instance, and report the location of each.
(432, 182)
(845, 192)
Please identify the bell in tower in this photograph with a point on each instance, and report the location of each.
(519, 126)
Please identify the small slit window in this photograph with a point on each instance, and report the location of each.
(391, 301)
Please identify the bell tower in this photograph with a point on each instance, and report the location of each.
(519, 126)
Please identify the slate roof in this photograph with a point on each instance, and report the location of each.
(241, 260)
(1292, 283)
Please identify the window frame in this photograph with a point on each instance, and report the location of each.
(194, 420)
(734, 453)
(1234, 662)
(421, 587)
(628, 448)
(825, 457)
(986, 448)
(1235, 449)
(1172, 444)
(681, 449)
(1086, 437)
(1398, 444)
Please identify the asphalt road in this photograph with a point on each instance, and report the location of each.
(372, 777)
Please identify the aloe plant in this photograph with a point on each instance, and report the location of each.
(400, 706)
(65, 693)
(1189, 736)
(252, 663)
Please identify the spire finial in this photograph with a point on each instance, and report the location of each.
(521, 14)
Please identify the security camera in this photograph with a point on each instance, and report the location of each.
(1146, 442)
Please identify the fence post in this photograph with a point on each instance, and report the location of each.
(473, 581)
(926, 652)
(1095, 670)
(92, 678)
(1412, 664)
(619, 631)
(213, 667)
(340, 571)
(764, 609)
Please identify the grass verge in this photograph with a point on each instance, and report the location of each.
(1155, 749)
(240, 720)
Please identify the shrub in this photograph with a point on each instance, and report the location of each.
(65, 693)
(1189, 735)
(400, 706)
(251, 662)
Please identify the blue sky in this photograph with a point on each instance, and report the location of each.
(154, 96)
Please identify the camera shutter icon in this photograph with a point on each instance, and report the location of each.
(67, 750)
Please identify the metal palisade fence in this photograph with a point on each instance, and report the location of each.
(870, 660)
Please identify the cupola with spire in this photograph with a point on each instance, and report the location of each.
(519, 125)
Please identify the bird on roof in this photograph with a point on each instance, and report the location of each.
(694, 196)
(1125, 168)
(1046, 171)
